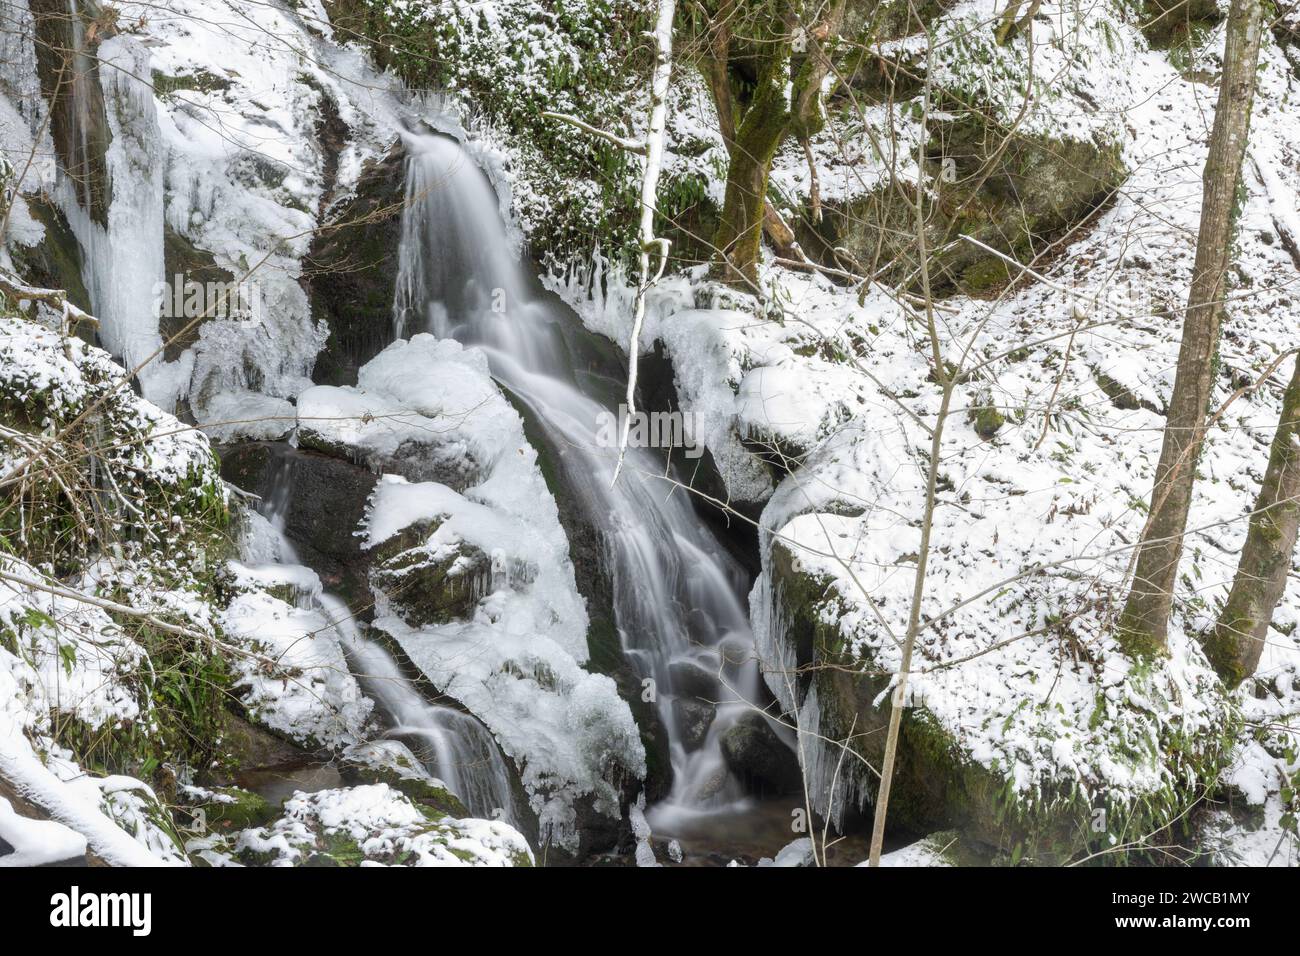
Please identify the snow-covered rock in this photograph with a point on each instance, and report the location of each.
(376, 825)
(512, 653)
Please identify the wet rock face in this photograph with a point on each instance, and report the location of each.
(587, 549)
(70, 82)
(658, 393)
(692, 679)
(325, 508)
(756, 755)
(351, 271)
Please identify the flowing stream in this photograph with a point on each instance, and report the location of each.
(678, 596)
(454, 747)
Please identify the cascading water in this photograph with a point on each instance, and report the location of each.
(453, 746)
(677, 594)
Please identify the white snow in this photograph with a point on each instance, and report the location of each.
(387, 829)
(298, 682)
(36, 842)
(516, 663)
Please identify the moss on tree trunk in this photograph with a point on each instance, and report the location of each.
(1235, 645)
(740, 231)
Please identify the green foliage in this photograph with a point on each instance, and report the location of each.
(114, 484)
(585, 58)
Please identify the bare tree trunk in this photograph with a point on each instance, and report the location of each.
(899, 696)
(1144, 623)
(1238, 639)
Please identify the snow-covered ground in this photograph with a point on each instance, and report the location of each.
(1034, 525)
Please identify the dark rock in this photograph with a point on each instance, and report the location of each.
(183, 258)
(658, 393)
(756, 754)
(326, 503)
(444, 457)
(55, 262)
(423, 589)
(693, 719)
(351, 269)
(692, 679)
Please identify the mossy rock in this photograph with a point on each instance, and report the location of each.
(199, 81)
(872, 73)
(423, 589)
(55, 262)
(309, 439)
(1036, 190)
(986, 420)
(241, 809)
(1121, 397)
(936, 786)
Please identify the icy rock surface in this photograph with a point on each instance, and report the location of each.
(515, 661)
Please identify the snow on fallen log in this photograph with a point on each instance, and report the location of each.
(37, 842)
(32, 783)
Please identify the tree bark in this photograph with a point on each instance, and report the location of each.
(740, 230)
(1144, 624)
(1237, 641)
(654, 155)
(754, 129)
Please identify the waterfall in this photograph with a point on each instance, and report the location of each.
(454, 747)
(677, 595)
